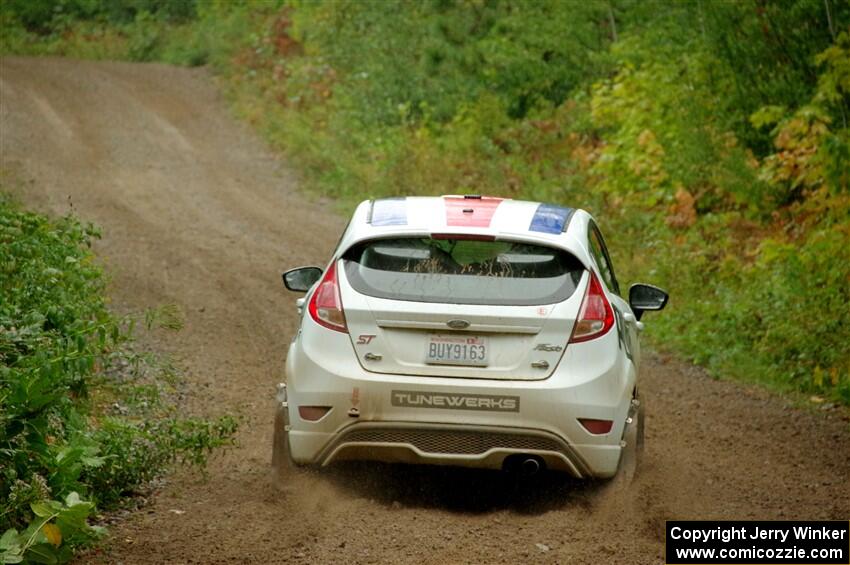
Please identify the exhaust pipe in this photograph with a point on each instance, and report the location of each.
(523, 464)
(530, 467)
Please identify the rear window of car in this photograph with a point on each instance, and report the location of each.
(462, 271)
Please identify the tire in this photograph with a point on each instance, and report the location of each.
(283, 467)
(633, 451)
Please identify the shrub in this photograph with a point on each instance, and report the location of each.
(84, 420)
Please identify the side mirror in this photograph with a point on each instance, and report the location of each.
(644, 297)
(301, 279)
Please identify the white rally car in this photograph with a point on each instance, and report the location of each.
(468, 331)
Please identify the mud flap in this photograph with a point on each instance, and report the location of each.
(283, 467)
(633, 440)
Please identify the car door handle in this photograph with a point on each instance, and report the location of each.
(300, 304)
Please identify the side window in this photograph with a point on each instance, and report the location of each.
(603, 260)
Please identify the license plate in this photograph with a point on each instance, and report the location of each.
(456, 350)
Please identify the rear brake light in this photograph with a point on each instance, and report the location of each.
(596, 316)
(326, 305)
(464, 236)
(596, 427)
(313, 413)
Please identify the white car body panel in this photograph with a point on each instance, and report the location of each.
(400, 409)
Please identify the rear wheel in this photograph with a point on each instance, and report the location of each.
(634, 439)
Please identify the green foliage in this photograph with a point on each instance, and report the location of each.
(805, 278)
(662, 130)
(57, 527)
(434, 57)
(136, 30)
(46, 16)
(144, 38)
(769, 49)
(769, 315)
(80, 412)
(813, 142)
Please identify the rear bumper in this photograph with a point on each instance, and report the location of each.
(365, 423)
(440, 444)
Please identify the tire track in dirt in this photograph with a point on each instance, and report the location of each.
(198, 212)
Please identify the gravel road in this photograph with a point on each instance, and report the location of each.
(197, 211)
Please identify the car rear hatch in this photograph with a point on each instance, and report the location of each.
(460, 306)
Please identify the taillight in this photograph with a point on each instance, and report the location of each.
(596, 316)
(596, 427)
(325, 305)
(464, 236)
(313, 413)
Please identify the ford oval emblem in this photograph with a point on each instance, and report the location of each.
(457, 324)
